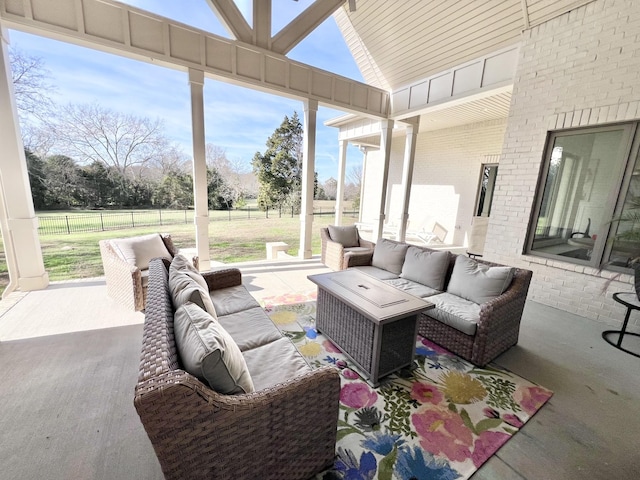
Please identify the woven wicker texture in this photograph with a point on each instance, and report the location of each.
(356, 336)
(334, 256)
(498, 327)
(124, 281)
(198, 433)
(499, 324)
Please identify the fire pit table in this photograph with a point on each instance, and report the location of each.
(373, 323)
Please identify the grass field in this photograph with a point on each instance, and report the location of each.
(78, 255)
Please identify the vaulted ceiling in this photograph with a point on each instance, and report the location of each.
(396, 43)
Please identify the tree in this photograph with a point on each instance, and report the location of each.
(37, 179)
(175, 191)
(279, 169)
(63, 181)
(234, 187)
(90, 132)
(31, 85)
(331, 188)
(355, 179)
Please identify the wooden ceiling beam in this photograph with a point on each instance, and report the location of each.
(232, 19)
(301, 26)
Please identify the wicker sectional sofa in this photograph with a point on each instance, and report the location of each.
(478, 304)
(285, 428)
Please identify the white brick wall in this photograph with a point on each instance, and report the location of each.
(578, 69)
(445, 178)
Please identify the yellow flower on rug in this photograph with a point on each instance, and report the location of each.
(284, 317)
(310, 349)
(462, 388)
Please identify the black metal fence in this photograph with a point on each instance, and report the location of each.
(103, 221)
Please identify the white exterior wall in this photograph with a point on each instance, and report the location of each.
(445, 178)
(578, 69)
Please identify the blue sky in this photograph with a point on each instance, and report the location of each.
(237, 119)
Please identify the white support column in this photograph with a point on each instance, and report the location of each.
(18, 220)
(407, 174)
(342, 161)
(200, 197)
(308, 177)
(386, 130)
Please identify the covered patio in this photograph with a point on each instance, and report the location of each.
(71, 355)
(71, 358)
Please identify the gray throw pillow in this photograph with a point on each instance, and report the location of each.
(427, 268)
(186, 284)
(346, 236)
(208, 352)
(389, 255)
(477, 282)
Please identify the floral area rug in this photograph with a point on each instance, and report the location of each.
(441, 420)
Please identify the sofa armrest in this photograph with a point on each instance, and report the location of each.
(358, 259)
(124, 281)
(334, 255)
(366, 243)
(222, 278)
(228, 435)
(500, 318)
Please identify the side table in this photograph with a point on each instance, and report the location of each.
(629, 300)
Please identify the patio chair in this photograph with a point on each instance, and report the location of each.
(126, 266)
(340, 243)
(436, 235)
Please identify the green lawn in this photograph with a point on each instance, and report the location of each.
(78, 255)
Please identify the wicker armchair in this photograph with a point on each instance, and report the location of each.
(285, 431)
(127, 282)
(336, 256)
(498, 328)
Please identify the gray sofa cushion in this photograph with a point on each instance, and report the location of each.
(379, 273)
(477, 282)
(275, 362)
(427, 268)
(232, 300)
(138, 251)
(347, 236)
(250, 328)
(187, 285)
(456, 312)
(414, 288)
(389, 255)
(208, 351)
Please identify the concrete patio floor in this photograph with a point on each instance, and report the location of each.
(587, 430)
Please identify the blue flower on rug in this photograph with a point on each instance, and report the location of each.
(412, 465)
(382, 443)
(351, 469)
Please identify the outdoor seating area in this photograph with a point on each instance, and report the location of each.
(443, 235)
(245, 385)
(103, 339)
(479, 304)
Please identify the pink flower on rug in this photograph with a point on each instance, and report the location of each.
(512, 420)
(531, 398)
(350, 374)
(357, 395)
(330, 347)
(486, 445)
(442, 432)
(425, 393)
(490, 412)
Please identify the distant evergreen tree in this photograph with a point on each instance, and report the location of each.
(37, 180)
(279, 169)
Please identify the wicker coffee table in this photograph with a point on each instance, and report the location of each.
(373, 323)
